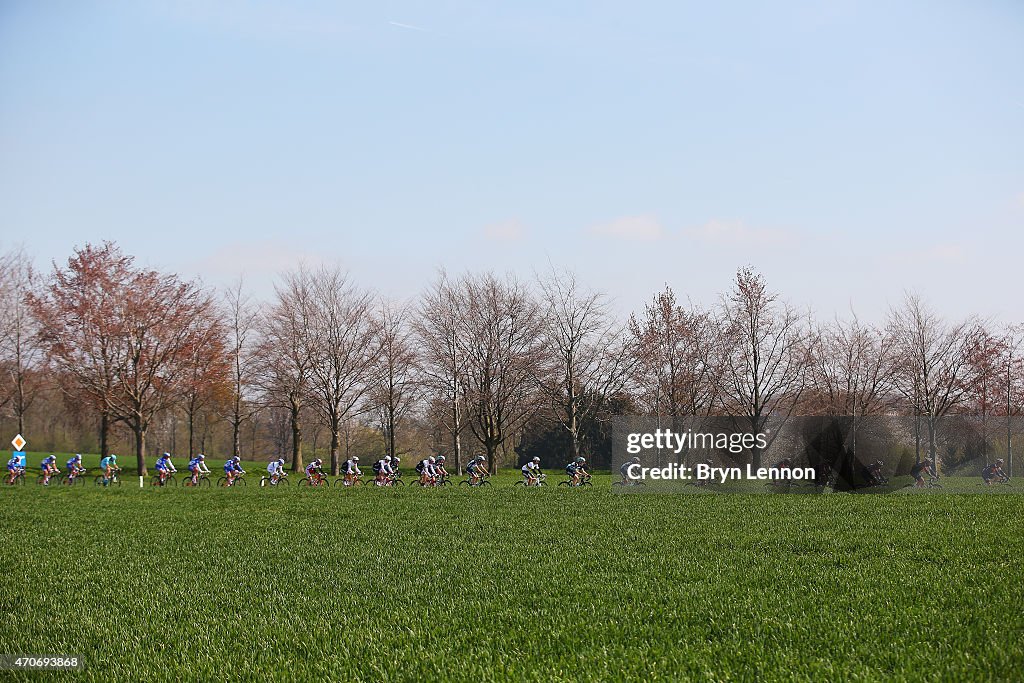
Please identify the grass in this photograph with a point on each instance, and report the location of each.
(512, 584)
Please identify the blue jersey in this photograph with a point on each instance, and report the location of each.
(48, 461)
(71, 463)
(238, 466)
(14, 463)
(106, 462)
(161, 463)
(229, 466)
(194, 463)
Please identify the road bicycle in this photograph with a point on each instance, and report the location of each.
(282, 480)
(170, 480)
(239, 480)
(317, 480)
(539, 480)
(202, 481)
(101, 479)
(71, 480)
(41, 479)
(353, 481)
(432, 482)
(482, 480)
(17, 480)
(584, 481)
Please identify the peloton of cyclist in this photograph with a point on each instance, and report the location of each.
(531, 472)
(993, 472)
(49, 468)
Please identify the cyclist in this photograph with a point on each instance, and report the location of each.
(575, 470)
(395, 472)
(476, 469)
(197, 466)
(425, 468)
(164, 467)
(351, 470)
(314, 472)
(531, 472)
(382, 471)
(624, 471)
(74, 467)
(919, 470)
(14, 468)
(233, 469)
(276, 470)
(49, 468)
(874, 473)
(993, 472)
(439, 471)
(109, 466)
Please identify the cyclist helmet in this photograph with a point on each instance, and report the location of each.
(202, 457)
(387, 458)
(431, 459)
(78, 456)
(395, 459)
(319, 461)
(355, 458)
(113, 457)
(636, 459)
(999, 461)
(167, 455)
(580, 458)
(536, 459)
(281, 460)
(440, 458)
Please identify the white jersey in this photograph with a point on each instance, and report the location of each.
(531, 468)
(275, 467)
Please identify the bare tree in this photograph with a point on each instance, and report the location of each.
(588, 358)
(935, 364)
(442, 359)
(767, 362)
(21, 352)
(854, 369)
(242, 329)
(343, 350)
(677, 353)
(397, 388)
(287, 329)
(499, 335)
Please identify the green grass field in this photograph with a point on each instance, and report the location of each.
(511, 584)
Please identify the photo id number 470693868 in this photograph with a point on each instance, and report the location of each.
(41, 662)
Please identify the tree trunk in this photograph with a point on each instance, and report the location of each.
(931, 445)
(492, 456)
(297, 465)
(391, 432)
(191, 435)
(140, 449)
(104, 434)
(236, 446)
(457, 433)
(335, 447)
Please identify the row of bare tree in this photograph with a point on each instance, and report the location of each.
(479, 357)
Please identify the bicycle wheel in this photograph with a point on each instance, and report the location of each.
(397, 482)
(222, 482)
(99, 479)
(204, 482)
(240, 481)
(519, 483)
(282, 482)
(353, 483)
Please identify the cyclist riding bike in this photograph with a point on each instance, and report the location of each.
(874, 473)
(577, 470)
(439, 471)
(919, 470)
(476, 469)
(624, 471)
(74, 467)
(164, 467)
(14, 468)
(233, 469)
(425, 468)
(994, 472)
(49, 468)
(314, 472)
(276, 471)
(381, 471)
(351, 470)
(109, 467)
(197, 466)
(531, 472)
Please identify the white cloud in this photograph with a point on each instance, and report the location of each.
(505, 231)
(737, 233)
(642, 228)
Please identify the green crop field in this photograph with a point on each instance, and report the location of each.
(511, 584)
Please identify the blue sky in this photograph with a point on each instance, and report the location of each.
(848, 150)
